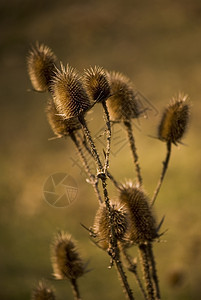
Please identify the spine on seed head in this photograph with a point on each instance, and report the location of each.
(68, 92)
(123, 104)
(41, 67)
(142, 222)
(66, 260)
(96, 83)
(60, 126)
(175, 120)
(102, 224)
(42, 292)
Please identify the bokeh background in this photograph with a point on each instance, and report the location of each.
(158, 45)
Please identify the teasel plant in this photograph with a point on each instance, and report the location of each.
(66, 261)
(97, 85)
(72, 100)
(41, 63)
(129, 220)
(171, 129)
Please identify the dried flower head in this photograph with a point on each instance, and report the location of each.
(66, 260)
(41, 67)
(96, 83)
(68, 92)
(102, 224)
(42, 292)
(142, 222)
(123, 104)
(174, 121)
(60, 126)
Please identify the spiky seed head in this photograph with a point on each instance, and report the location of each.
(123, 104)
(68, 92)
(96, 84)
(102, 228)
(41, 66)
(60, 126)
(66, 260)
(42, 292)
(142, 222)
(175, 120)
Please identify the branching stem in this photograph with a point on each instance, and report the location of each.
(132, 267)
(93, 179)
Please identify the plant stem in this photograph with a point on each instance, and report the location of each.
(76, 292)
(107, 121)
(93, 179)
(110, 176)
(146, 271)
(114, 250)
(93, 147)
(132, 267)
(131, 139)
(153, 270)
(165, 167)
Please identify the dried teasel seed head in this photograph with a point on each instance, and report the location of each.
(96, 84)
(142, 222)
(66, 260)
(175, 120)
(60, 126)
(42, 292)
(68, 92)
(41, 67)
(123, 104)
(102, 224)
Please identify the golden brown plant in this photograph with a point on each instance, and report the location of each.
(60, 126)
(142, 222)
(175, 120)
(122, 104)
(41, 67)
(66, 260)
(102, 224)
(96, 84)
(69, 95)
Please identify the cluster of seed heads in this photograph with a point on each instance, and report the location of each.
(130, 220)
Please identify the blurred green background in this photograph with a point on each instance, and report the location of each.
(158, 45)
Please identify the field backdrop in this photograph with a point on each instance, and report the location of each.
(158, 45)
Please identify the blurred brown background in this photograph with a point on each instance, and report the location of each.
(158, 45)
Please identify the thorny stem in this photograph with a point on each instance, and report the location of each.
(146, 271)
(76, 292)
(126, 287)
(153, 270)
(110, 176)
(165, 167)
(132, 267)
(107, 121)
(93, 179)
(131, 139)
(93, 147)
(114, 250)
